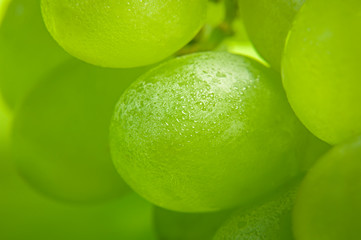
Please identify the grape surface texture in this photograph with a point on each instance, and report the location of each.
(206, 132)
(122, 34)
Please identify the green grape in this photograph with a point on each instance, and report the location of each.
(123, 34)
(270, 220)
(328, 202)
(27, 52)
(241, 48)
(27, 215)
(268, 23)
(60, 138)
(206, 132)
(171, 225)
(321, 68)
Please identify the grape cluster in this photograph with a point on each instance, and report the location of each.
(180, 119)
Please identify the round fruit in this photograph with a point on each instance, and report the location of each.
(328, 203)
(268, 23)
(206, 132)
(60, 139)
(321, 68)
(27, 215)
(123, 34)
(27, 52)
(270, 220)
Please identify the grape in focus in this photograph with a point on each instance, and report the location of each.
(123, 34)
(206, 132)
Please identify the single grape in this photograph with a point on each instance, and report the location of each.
(270, 220)
(268, 23)
(60, 138)
(328, 202)
(321, 68)
(27, 215)
(123, 34)
(171, 225)
(27, 52)
(206, 132)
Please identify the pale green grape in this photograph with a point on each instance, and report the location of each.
(27, 215)
(321, 68)
(27, 52)
(61, 132)
(123, 34)
(270, 220)
(267, 23)
(171, 225)
(328, 203)
(241, 48)
(206, 132)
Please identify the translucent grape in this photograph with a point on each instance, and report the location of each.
(321, 68)
(27, 215)
(270, 220)
(268, 23)
(171, 225)
(123, 34)
(206, 132)
(328, 203)
(61, 133)
(27, 52)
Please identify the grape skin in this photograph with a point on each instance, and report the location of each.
(267, 23)
(27, 215)
(321, 69)
(27, 51)
(170, 225)
(123, 34)
(328, 202)
(206, 132)
(270, 220)
(60, 136)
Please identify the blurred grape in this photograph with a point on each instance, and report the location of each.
(268, 23)
(269, 220)
(321, 68)
(60, 138)
(218, 26)
(215, 13)
(172, 225)
(328, 202)
(243, 48)
(27, 51)
(27, 215)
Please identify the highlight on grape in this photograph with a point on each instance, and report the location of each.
(180, 119)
